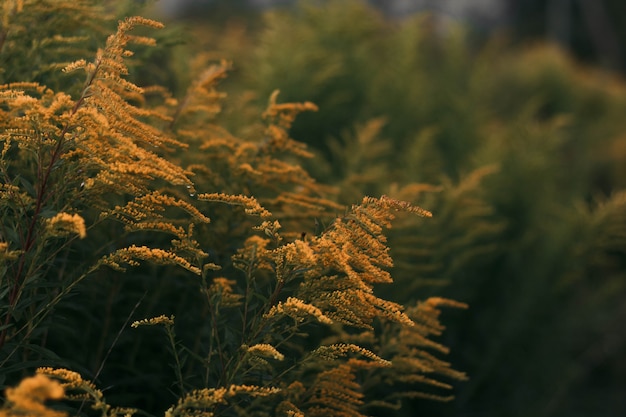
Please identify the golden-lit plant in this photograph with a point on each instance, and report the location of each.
(30, 396)
(62, 156)
(288, 326)
(118, 178)
(518, 150)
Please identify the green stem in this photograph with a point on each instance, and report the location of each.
(38, 317)
(169, 328)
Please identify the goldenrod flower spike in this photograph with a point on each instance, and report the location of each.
(250, 204)
(30, 396)
(266, 350)
(64, 224)
(298, 310)
(338, 350)
(199, 402)
(154, 321)
(133, 253)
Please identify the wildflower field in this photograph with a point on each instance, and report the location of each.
(314, 212)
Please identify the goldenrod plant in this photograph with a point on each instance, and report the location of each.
(519, 152)
(126, 209)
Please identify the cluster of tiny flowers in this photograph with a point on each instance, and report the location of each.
(298, 309)
(70, 378)
(266, 350)
(162, 319)
(158, 256)
(6, 254)
(391, 203)
(223, 288)
(299, 253)
(196, 400)
(343, 349)
(250, 204)
(64, 223)
(29, 397)
(77, 388)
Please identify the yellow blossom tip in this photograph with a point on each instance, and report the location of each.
(162, 319)
(64, 224)
(266, 350)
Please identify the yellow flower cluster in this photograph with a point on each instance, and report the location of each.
(114, 141)
(75, 386)
(409, 348)
(270, 228)
(6, 254)
(387, 203)
(298, 310)
(350, 257)
(146, 213)
(159, 256)
(111, 58)
(297, 254)
(252, 390)
(353, 247)
(157, 199)
(78, 389)
(335, 393)
(250, 204)
(71, 381)
(154, 321)
(198, 399)
(255, 252)
(29, 397)
(158, 227)
(64, 224)
(337, 350)
(202, 98)
(223, 288)
(284, 114)
(425, 315)
(199, 402)
(265, 350)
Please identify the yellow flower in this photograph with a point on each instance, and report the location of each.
(298, 310)
(263, 349)
(64, 223)
(337, 350)
(250, 204)
(162, 319)
(29, 396)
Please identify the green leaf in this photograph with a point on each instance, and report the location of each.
(27, 186)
